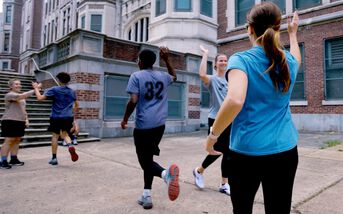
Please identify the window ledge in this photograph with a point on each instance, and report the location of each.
(332, 102)
(299, 103)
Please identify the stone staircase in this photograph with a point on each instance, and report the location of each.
(36, 134)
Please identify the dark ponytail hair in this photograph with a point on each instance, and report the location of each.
(265, 19)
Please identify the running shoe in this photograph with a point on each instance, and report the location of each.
(53, 161)
(5, 165)
(16, 162)
(225, 189)
(73, 155)
(74, 141)
(198, 179)
(172, 180)
(146, 202)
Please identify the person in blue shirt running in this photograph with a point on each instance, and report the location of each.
(62, 119)
(148, 94)
(217, 86)
(263, 142)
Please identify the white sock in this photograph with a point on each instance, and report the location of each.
(146, 192)
(163, 174)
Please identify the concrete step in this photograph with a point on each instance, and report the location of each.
(48, 143)
(45, 137)
(26, 83)
(42, 132)
(31, 104)
(35, 115)
(29, 110)
(12, 75)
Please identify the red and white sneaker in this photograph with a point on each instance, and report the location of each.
(172, 180)
(74, 157)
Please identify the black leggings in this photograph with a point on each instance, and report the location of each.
(276, 173)
(222, 145)
(146, 142)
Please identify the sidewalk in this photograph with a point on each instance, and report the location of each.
(107, 179)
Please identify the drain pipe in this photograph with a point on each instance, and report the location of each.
(47, 72)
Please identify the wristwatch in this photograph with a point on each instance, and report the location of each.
(211, 135)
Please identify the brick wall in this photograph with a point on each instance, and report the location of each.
(87, 95)
(120, 50)
(87, 113)
(177, 60)
(48, 83)
(87, 78)
(194, 103)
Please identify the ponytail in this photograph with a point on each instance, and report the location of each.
(278, 69)
(265, 18)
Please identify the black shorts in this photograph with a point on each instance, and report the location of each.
(12, 128)
(223, 141)
(147, 140)
(60, 124)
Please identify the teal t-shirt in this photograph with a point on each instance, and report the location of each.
(264, 125)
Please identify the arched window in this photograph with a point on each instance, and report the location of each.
(139, 31)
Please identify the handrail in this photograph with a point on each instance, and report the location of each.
(47, 72)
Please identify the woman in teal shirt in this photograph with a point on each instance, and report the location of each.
(263, 137)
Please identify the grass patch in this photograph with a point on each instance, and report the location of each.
(331, 143)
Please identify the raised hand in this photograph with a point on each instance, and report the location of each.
(164, 53)
(203, 50)
(293, 24)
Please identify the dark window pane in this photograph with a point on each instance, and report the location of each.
(334, 68)
(298, 92)
(175, 101)
(242, 8)
(183, 5)
(280, 3)
(303, 4)
(205, 97)
(206, 7)
(160, 7)
(115, 100)
(96, 22)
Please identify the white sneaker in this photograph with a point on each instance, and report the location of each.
(198, 179)
(74, 142)
(64, 143)
(225, 189)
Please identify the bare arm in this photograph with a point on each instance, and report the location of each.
(232, 105)
(292, 31)
(164, 55)
(130, 107)
(36, 88)
(203, 66)
(25, 95)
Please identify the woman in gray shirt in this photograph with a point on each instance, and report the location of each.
(217, 86)
(13, 123)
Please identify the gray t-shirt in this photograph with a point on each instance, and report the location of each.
(217, 87)
(151, 88)
(14, 109)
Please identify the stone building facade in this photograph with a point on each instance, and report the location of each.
(100, 67)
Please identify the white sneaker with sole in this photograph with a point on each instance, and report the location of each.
(225, 189)
(198, 179)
